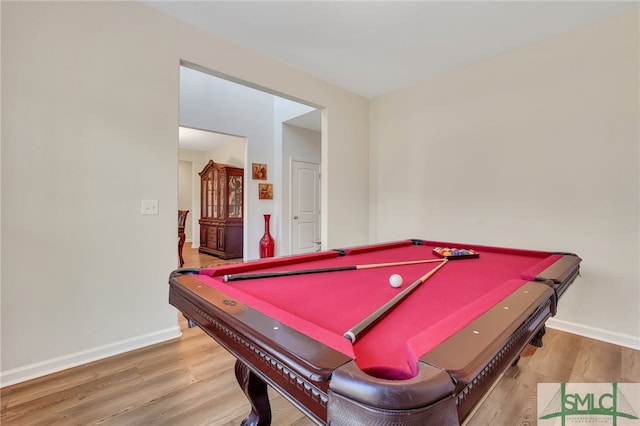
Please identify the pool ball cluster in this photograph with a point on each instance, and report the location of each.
(455, 253)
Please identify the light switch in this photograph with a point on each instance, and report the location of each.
(149, 206)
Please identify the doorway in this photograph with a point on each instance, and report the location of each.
(196, 148)
(219, 103)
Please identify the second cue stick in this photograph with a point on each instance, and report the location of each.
(257, 275)
(369, 321)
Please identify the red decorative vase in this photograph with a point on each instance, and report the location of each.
(267, 244)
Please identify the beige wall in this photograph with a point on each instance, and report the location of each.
(543, 143)
(89, 129)
(537, 148)
(230, 153)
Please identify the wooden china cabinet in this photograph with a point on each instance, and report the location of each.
(221, 210)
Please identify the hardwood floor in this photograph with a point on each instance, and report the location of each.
(190, 381)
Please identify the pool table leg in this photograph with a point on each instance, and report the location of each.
(256, 391)
(537, 339)
(535, 342)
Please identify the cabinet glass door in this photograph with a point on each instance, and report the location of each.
(221, 195)
(216, 194)
(235, 197)
(208, 197)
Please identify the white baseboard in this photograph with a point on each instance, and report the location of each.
(42, 368)
(619, 339)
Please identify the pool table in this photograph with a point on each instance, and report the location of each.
(428, 359)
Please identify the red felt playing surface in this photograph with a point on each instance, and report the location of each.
(324, 306)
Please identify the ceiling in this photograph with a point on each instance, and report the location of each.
(373, 48)
(203, 140)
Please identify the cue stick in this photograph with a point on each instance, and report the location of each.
(257, 275)
(369, 321)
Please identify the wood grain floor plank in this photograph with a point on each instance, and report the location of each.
(203, 400)
(597, 362)
(62, 405)
(630, 365)
(557, 357)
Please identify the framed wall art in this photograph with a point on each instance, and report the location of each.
(259, 171)
(265, 191)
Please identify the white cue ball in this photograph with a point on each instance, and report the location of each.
(395, 280)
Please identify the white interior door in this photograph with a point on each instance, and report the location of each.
(305, 207)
